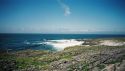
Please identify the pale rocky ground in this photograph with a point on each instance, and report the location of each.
(93, 59)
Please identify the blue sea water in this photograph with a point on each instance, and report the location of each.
(15, 42)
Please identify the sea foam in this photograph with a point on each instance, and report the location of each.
(61, 44)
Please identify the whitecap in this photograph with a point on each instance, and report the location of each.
(61, 44)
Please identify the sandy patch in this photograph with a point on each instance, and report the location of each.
(112, 43)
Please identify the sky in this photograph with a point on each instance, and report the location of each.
(62, 16)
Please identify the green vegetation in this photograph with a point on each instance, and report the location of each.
(101, 66)
(81, 58)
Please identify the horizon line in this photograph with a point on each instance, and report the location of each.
(70, 33)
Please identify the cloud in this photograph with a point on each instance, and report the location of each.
(65, 7)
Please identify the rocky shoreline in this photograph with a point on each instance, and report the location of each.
(90, 56)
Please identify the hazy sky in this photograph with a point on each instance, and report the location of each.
(62, 16)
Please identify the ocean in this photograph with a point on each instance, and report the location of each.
(16, 42)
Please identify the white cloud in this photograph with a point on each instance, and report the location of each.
(65, 7)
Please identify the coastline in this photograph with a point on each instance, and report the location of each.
(63, 43)
(91, 55)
